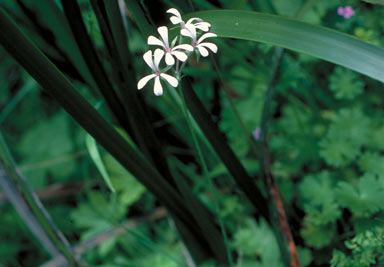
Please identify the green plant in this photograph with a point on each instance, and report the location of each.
(255, 156)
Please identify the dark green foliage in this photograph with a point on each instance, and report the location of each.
(348, 132)
(325, 138)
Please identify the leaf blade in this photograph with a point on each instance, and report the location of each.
(317, 41)
(375, 2)
(96, 158)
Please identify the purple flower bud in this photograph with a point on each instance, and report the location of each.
(256, 133)
(340, 11)
(348, 12)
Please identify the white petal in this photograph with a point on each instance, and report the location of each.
(143, 81)
(149, 60)
(174, 11)
(152, 40)
(206, 35)
(186, 47)
(158, 55)
(175, 20)
(203, 51)
(186, 32)
(211, 46)
(169, 59)
(180, 55)
(192, 20)
(163, 31)
(204, 26)
(170, 79)
(192, 30)
(157, 89)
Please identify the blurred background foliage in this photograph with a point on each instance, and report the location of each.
(326, 141)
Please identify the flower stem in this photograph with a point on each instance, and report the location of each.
(205, 175)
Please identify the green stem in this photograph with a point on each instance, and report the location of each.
(281, 225)
(205, 175)
(179, 103)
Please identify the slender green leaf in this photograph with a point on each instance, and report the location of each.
(95, 155)
(10, 189)
(117, 29)
(317, 41)
(30, 208)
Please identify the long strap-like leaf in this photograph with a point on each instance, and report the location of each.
(317, 41)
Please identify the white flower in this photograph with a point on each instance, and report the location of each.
(153, 63)
(176, 19)
(202, 47)
(170, 52)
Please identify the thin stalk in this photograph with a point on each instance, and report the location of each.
(205, 174)
(284, 234)
(177, 100)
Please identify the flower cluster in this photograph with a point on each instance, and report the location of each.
(345, 12)
(174, 54)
